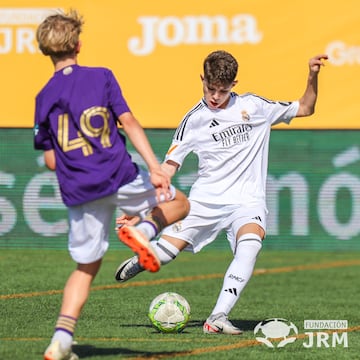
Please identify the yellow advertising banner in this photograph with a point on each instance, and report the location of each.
(156, 49)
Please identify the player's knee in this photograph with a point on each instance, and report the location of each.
(183, 204)
(252, 228)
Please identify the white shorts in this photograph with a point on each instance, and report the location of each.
(205, 221)
(90, 223)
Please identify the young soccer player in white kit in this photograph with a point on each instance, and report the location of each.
(230, 135)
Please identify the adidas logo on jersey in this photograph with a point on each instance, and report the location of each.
(257, 218)
(213, 123)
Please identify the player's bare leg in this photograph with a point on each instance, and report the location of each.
(137, 238)
(76, 293)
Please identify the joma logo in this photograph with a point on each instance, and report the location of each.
(194, 30)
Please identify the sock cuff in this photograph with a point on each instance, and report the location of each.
(152, 224)
(69, 317)
(168, 246)
(249, 237)
(66, 323)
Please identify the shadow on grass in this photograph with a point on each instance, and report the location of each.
(88, 351)
(246, 325)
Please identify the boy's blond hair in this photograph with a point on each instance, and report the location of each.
(58, 35)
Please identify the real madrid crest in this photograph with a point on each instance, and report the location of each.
(245, 116)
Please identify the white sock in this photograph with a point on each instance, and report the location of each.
(238, 273)
(64, 338)
(64, 330)
(165, 251)
(147, 228)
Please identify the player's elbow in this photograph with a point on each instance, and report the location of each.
(305, 110)
(51, 167)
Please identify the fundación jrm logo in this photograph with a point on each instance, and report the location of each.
(335, 334)
(278, 332)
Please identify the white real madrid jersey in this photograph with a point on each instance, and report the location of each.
(232, 146)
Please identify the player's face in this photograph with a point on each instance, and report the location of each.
(217, 96)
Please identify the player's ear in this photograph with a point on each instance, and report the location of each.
(234, 83)
(201, 77)
(78, 46)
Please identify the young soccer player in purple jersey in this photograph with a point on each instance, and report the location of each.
(230, 135)
(76, 119)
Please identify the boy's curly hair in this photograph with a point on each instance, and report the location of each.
(220, 68)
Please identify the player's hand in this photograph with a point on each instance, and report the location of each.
(127, 220)
(316, 62)
(161, 181)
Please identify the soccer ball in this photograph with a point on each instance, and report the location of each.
(169, 312)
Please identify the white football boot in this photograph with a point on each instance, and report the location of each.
(54, 352)
(219, 324)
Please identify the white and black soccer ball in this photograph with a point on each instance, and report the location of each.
(169, 312)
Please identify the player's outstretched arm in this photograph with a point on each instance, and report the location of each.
(138, 138)
(170, 167)
(308, 100)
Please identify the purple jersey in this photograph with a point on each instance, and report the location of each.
(76, 115)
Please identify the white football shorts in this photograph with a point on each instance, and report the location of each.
(205, 221)
(91, 222)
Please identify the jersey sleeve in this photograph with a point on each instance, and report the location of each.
(280, 111)
(276, 111)
(42, 136)
(118, 103)
(182, 143)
